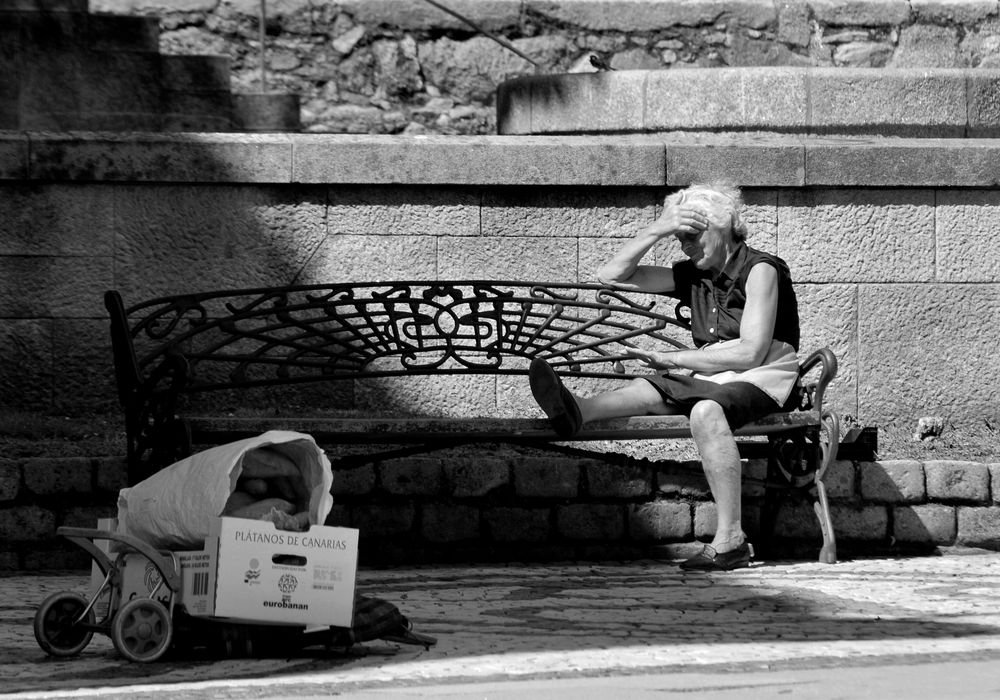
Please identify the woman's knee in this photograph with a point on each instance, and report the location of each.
(708, 419)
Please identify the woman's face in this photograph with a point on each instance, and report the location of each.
(709, 249)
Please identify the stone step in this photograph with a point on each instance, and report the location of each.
(107, 32)
(195, 73)
(896, 102)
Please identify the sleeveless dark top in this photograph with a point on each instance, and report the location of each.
(717, 303)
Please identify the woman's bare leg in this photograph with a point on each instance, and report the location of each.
(637, 398)
(721, 461)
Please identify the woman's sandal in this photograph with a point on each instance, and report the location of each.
(710, 560)
(554, 399)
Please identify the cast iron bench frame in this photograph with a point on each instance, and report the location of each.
(172, 347)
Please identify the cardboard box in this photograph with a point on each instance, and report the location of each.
(249, 571)
(269, 575)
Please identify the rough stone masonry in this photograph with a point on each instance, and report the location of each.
(405, 66)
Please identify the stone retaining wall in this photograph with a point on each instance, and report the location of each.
(890, 242)
(495, 505)
(404, 66)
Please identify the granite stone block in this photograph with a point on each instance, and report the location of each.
(416, 15)
(538, 478)
(183, 158)
(383, 520)
(27, 523)
(53, 286)
(694, 100)
(618, 480)
(45, 476)
(412, 476)
(864, 13)
(900, 102)
(660, 520)
(476, 476)
(56, 220)
(567, 212)
(957, 481)
(892, 481)
(828, 319)
(867, 522)
(84, 369)
(591, 521)
(10, 479)
(852, 235)
(13, 155)
(26, 363)
(478, 160)
(403, 212)
(354, 482)
(171, 239)
(518, 524)
(924, 523)
(765, 164)
(979, 527)
(966, 221)
(927, 162)
(581, 102)
(510, 257)
(449, 522)
(950, 324)
(366, 258)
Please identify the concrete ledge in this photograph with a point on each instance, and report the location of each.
(944, 102)
(624, 160)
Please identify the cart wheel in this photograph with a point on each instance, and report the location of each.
(55, 624)
(142, 630)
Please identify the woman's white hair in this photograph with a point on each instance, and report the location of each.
(722, 194)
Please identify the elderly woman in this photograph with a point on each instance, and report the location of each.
(745, 327)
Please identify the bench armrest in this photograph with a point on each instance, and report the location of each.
(827, 362)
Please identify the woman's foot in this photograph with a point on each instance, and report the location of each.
(554, 399)
(710, 560)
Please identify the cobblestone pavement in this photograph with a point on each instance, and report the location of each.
(571, 621)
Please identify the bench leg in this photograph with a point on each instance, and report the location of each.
(827, 440)
(821, 506)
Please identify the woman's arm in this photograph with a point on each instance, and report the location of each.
(756, 333)
(623, 269)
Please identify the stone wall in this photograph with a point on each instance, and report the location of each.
(404, 66)
(500, 505)
(890, 242)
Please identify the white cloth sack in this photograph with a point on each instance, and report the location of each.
(174, 508)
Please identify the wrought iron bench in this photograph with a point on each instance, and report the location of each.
(169, 350)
